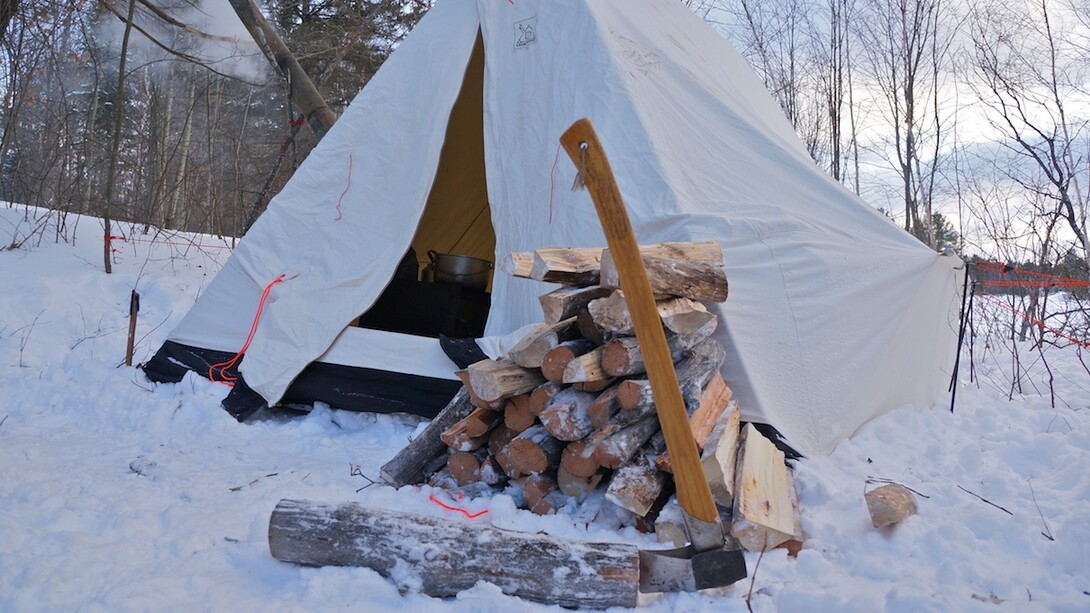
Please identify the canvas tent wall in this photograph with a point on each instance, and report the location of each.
(835, 315)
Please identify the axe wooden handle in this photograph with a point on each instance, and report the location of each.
(693, 493)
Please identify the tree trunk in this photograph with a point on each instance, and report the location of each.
(119, 116)
(303, 91)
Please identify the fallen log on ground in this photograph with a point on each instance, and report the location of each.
(445, 556)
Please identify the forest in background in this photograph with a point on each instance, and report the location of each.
(966, 123)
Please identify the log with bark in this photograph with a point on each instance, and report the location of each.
(493, 380)
(689, 270)
(636, 485)
(558, 358)
(471, 432)
(530, 350)
(565, 416)
(444, 556)
(408, 465)
(568, 301)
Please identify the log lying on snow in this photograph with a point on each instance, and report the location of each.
(449, 556)
(766, 506)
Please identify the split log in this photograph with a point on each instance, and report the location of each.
(499, 439)
(476, 400)
(567, 301)
(604, 407)
(577, 487)
(713, 402)
(541, 395)
(558, 358)
(517, 264)
(594, 386)
(497, 379)
(530, 350)
(693, 373)
(517, 414)
(670, 525)
(576, 461)
(471, 432)
(766, 507)
(682, 316)
(532, 451)
(566, 417)
(408, 465)
(621, 356)
(636, 485)
(690, 270)
(491, 473)
(566, 265)
(587, 367)
(448, 555)
(720, 456)
(618, 448)
(584, 321)
(542, 494)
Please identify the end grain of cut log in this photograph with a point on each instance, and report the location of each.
(517, 415)
(566, 417)
(539, 398)
(517, 264)
(636, 485)
(542, 494)
(464, 467)
(575, 461)
(532, 451)
(577, 487)
(594, 387)
(558, 358)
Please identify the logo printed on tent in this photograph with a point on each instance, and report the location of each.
(525, 33)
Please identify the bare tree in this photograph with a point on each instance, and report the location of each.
(1027, 74)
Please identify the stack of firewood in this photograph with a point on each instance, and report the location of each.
(569, 410)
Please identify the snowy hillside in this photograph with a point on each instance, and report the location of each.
(120, 495)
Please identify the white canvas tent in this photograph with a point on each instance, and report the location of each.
(835, 315)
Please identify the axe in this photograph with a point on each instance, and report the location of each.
(708, 560)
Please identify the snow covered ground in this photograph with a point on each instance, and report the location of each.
(120, 495)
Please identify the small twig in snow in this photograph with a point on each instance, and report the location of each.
(753, 579)
(1047, 533)
(3, 420)
(239, 487)
(982, 499)
(881, 480)
(356, 471)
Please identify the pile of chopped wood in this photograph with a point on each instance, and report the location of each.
(569, 410)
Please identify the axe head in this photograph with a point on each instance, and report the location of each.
(686, 570)
(712, 559)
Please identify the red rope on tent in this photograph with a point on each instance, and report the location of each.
(339, 215)
(223, 366)
(1040, 324)
(1043, 280)
(457, 509)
